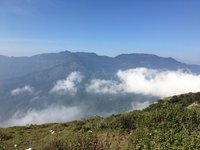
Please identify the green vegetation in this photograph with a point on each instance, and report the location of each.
(172, 123)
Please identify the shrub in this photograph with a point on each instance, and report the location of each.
(56, 145)
(5, 136)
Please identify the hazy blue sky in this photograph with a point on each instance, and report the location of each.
(108, 27)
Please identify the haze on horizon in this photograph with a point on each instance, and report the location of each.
(165, 28)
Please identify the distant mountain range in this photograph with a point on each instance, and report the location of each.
(66, 62)
(26, 82)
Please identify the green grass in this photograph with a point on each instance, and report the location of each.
(168, 124)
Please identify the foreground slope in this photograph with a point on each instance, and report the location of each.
(171, 123)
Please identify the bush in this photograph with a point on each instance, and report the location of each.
(5, 136)
(126, 122)
(56, 145)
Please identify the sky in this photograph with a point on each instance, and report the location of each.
(107, 27)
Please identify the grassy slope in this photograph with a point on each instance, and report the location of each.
(168, 124)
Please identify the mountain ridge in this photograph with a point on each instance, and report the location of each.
(26, 65)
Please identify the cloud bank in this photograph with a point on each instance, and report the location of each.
(139, 81)
(158, 83)
(25, 89)
(148, 82)
(69, 85)
(48, 115)
(99, 86)
(132, 81)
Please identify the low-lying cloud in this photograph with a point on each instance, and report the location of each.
(147, 82)
(142, 81)
(158, 83)
(140, 105)
(69, 85)
(48, 115)
(25, 89)
(99, 86)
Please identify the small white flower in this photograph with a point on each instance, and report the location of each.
(90, 131)
(53, 132)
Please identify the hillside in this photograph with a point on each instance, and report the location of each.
(171, 123)
(26, 83)
(20, 67)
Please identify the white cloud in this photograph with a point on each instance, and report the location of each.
(49, 115)
(140, 105)
(103, 87)
(25, 89)
(69, 85)
(148, 82)
(158, 83)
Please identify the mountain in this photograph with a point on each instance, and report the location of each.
(45, 68)
(86, 82)
(171, 123)
(12, 67)
(18, 66)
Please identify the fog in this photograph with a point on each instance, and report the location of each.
(52, 114)
(102, 86)
(148, 82)
(25, 89)
(74, 98)
(69, 85)
(158, 83)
